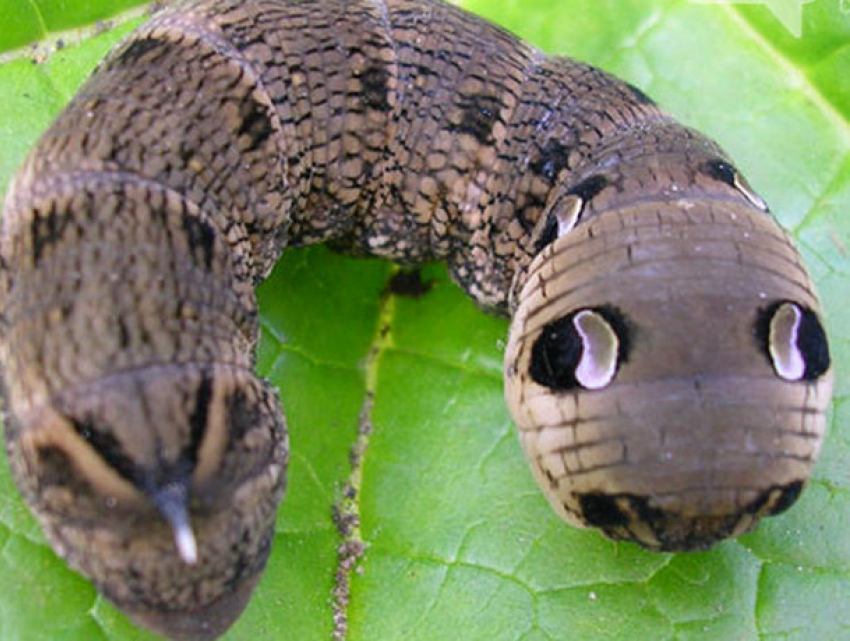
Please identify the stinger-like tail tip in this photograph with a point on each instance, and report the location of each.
(185, 539)
(171, 502)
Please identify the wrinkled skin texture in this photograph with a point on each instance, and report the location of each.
(666, 363)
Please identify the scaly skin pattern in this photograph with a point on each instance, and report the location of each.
(666, 363)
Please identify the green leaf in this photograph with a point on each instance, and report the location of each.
(460, 543)
(26, 21)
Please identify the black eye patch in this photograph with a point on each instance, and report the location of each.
(793, 340)
(581, 350)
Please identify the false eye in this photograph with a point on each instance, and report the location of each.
(564, 216)
(580, 350)
(795, 342)
(566, 211)
(724, 172)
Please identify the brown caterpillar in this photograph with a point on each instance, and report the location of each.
(222, 132)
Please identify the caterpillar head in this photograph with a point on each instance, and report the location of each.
(668, 369)
(161, 485)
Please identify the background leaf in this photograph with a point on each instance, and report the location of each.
(460, 541)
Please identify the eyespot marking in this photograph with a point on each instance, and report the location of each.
(570, 214)
(580, 350)
(720, 170)
(589, 187)
(556, 354)
(794, 341)
(812, 343)
(561, 220)
(782, 342)
(548, 234)
(567, 210)
(598, 362)
(726, 173)
(743, 186)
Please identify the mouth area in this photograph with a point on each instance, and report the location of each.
(642, 519)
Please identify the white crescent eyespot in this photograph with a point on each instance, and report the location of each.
(570, 214)
(782, 342)
(600, 345)
(744, 187)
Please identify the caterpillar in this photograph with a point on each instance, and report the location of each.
(666, 363)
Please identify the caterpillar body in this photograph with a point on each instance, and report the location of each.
(666, 363)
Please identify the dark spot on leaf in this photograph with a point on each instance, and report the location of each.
(409, 283)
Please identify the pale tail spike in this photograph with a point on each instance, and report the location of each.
(185, 539)
(171, 503)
